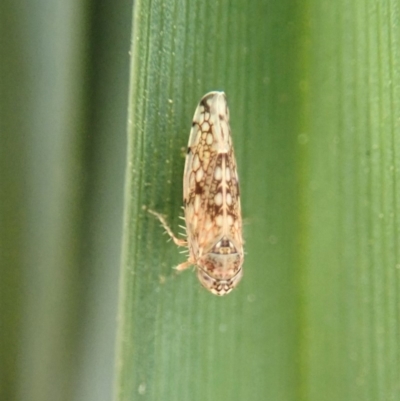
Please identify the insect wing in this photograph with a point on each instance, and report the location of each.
(211, 187)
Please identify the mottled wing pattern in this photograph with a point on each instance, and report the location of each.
(211, 199)
(199, 184)
(211, 190)
(233, 198)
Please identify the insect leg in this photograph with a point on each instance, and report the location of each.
(184, 265)
(179, 242)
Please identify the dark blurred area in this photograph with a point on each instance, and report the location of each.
(64, 68)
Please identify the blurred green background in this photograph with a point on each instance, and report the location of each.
(313, 88)
(64, 89)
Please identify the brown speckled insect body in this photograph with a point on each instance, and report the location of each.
(211, 199)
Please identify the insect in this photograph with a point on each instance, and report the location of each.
(211, 199)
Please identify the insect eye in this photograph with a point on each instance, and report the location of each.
(207, 281)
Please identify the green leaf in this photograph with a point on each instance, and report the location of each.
(313, 90)
(177, 341)
(351, 203)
